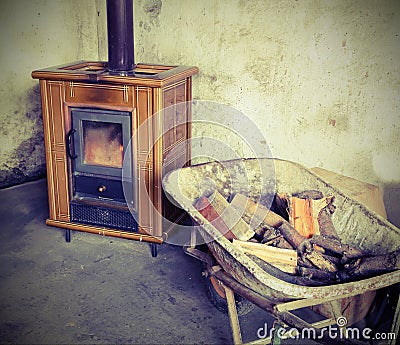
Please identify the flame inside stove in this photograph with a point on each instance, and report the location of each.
(102, 144)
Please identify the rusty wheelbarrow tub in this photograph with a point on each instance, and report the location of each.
(356, 225)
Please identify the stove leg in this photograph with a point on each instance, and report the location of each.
(68, 235)
(154, 248)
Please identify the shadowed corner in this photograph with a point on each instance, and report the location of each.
(391, 199)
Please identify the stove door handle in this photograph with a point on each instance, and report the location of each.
(70, 136)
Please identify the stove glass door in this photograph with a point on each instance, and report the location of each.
(100, 140)
(102, 143)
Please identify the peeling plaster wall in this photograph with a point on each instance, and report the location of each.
(34, 35)
(319, 78)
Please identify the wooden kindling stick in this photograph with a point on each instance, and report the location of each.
(284, 259)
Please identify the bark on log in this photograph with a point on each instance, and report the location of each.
(335, 246)
(320, 262)
(304, 263)
(373, 265)
(334, 259)
(280, 206)
(317, 274)
(277, 241)
(326, 227)
(309, 194)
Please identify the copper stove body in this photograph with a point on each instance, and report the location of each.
(90, 116)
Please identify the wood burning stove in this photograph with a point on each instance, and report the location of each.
(91, 109)
(89, 117)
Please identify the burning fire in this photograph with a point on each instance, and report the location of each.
(103, 144)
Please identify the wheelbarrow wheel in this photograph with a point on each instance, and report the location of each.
(216, 294)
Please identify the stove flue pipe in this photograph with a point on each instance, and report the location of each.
(121, 59)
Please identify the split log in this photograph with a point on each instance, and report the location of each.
(205, 208)
(263, 214)
(310, 213)
(231, 217)
(335, 246)
(260, 227)
(238, 227)
(284, 259)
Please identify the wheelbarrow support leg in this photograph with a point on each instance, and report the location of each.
(336, 310)
(233, 316)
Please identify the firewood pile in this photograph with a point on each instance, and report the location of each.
(295, 239)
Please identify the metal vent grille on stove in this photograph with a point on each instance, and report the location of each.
(102, 216)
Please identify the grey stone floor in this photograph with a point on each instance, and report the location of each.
(99, 289)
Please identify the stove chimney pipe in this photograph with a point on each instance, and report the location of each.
(121, 59)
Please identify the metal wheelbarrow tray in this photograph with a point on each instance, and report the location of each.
(356, 225)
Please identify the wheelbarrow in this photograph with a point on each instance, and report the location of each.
(241, 274)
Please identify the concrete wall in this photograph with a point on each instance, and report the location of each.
(35, 34)
(320, 79)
